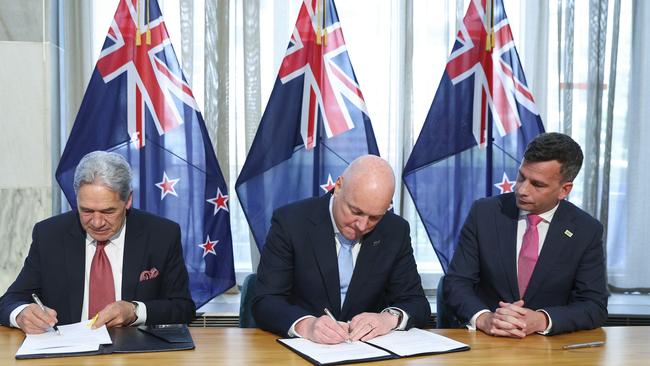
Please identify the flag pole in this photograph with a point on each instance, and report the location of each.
(489, 45)
(319, 130)
(316, 162)
(488, 157)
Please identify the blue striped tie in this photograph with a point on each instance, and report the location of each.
(346, 265)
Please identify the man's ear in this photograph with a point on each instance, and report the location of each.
(338, 185)
(565, 189)
(129, 200)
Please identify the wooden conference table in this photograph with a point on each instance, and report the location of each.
(234, 346)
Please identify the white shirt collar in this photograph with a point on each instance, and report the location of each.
(546, 216)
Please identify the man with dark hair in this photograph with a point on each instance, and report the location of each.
(104, 259)
(530, 261)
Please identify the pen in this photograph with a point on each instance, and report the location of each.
(92, 322)
(40, 304)
(584, 345)
(329, 313)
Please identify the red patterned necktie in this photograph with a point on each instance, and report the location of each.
(101, 286)
(528, 254)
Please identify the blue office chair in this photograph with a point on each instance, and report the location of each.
(445, 317)
(246, 319)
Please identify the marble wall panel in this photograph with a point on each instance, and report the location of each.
(20, 209)
(22, 20)
(25, 115)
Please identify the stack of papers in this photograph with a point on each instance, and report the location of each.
(74, 338)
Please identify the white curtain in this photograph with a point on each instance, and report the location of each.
(631, 237)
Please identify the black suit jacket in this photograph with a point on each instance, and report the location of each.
(55, 266)
(298, 272)
(568, 281)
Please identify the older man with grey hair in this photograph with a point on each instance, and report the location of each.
(105, 260)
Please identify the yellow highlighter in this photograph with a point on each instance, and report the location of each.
(92, 322)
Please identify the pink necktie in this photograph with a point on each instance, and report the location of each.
(528, 253)
(101, 287)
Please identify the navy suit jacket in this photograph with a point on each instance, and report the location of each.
(54, 269)
(298, 272)
(568, 281)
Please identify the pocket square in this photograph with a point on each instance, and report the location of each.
(149, 275)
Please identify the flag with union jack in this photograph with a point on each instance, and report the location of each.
(482, 117)
(138, 104)
(314, 125)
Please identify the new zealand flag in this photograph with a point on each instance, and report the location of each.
(138, 104)
(314, 125)
(482, 117)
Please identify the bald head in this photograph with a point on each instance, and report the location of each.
(362, 195)
(370, 175)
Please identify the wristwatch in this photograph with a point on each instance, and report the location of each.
(396, 313)
(135, 310)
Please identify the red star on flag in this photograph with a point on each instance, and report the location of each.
(167, 186)
(329, 185)
(219, 202)
(506, 185)
(208, 246)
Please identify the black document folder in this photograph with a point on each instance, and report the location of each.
(154, 338)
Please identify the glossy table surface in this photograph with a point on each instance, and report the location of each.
(234, 346)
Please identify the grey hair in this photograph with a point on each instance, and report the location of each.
(105, 168)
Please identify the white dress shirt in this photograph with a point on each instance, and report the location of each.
(356, 247)
(542, 230)
(115, 252)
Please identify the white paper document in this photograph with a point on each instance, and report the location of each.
(416, 341)
(395, 344)
(78, 337)
(334, 353)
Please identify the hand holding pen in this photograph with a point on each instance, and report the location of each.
(329, 314)
(40, 305)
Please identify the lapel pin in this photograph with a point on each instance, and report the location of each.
(375, 243)
(568, 233)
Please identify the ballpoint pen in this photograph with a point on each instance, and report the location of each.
(584, 345)
(40, 304)
(329, 314)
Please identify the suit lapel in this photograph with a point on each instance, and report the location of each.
(75, 259)
(506, 225)
(325, 252)
(555, 242)
(134, 248)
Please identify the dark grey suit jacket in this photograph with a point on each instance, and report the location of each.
(55, 267)
(569, 278)
(298, 272)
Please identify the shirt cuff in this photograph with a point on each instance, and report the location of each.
(405, 318)
(292, 331)
(472, 322)
(14, 314)
(550, 323)
(141, 313)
